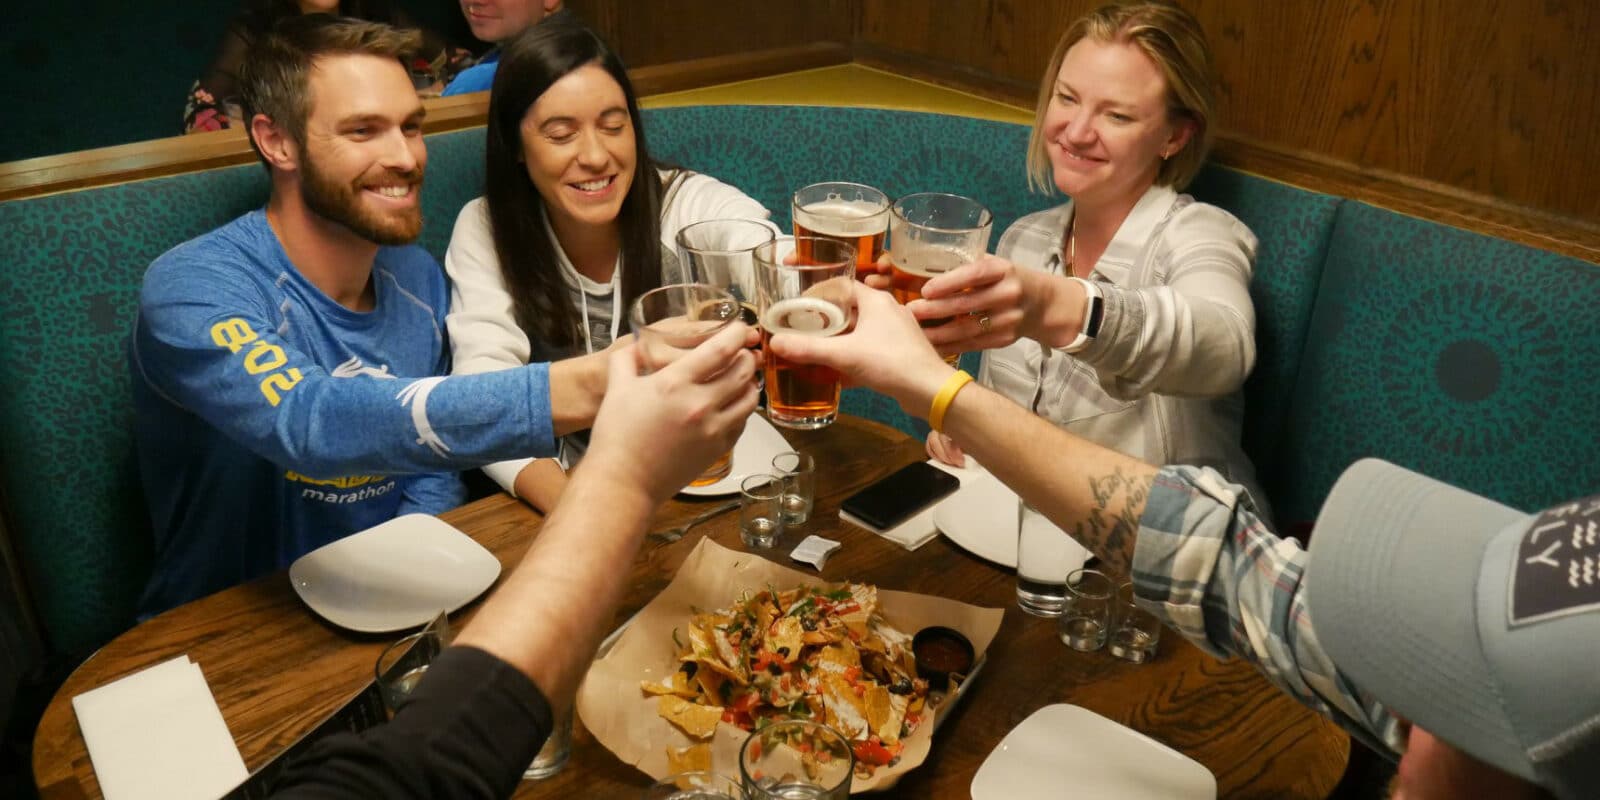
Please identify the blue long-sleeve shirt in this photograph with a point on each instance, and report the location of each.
(271, 420)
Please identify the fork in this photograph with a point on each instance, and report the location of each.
(674, 534)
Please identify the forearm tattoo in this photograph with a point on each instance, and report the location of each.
(1111, 522)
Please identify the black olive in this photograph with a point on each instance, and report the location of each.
(901, 686)
(808, 623)
(783, 651)
(688, 668)
(775, 669)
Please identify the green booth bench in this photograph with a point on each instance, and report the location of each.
(1467, 357)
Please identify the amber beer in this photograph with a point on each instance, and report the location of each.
(849, 213)
(804, 396)
(859, 225)
(911, 269)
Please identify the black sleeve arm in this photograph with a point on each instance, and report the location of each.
(469, 730)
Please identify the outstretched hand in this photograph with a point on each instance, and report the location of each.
(886, 351)
(658, 432)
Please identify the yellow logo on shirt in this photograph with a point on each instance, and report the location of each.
(264, 357)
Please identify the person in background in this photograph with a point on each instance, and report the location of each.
(1124, 314)
(496, 22)
(576, 222)
(1436, 626)
(485, 705)
(288, 368)
(214, 100)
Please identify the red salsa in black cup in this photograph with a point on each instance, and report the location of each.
(941, 652)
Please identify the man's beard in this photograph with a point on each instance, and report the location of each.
(342, 204)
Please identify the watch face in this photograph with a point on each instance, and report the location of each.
(1091, 327)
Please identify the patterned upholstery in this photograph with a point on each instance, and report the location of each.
(70, 266)
(1466, 357)
(1292, 226)
(1472, 377)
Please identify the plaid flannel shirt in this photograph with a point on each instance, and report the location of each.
(1208, 567)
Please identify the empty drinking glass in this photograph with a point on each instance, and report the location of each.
(799, 473)
(761, 510)
(1137, 631)
(1086, 616)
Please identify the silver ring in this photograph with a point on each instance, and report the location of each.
(984, 323)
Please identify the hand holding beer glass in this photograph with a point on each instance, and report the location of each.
(931, 234)
(850, 213)
(675, 319)
(805, 286)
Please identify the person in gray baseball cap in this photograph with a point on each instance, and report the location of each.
(1458, 635)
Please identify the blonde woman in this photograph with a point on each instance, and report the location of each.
(1124, 314)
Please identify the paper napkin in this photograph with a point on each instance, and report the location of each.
(158, 735)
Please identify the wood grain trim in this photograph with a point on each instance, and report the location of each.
(178, 154)
(1399, 193)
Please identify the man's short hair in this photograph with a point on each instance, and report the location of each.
(276, 76)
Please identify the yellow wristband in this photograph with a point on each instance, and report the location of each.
(942, 400)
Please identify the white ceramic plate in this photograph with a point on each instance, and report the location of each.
(752, 455)
(981, 517)
(393, 576)
(1063, 750)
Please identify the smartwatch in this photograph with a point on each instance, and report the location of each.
(1094, 305)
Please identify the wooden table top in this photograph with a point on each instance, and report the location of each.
(277, 669)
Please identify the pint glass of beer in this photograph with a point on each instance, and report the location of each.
(934, 233)
(722, 253)
(854, 214)
(805, 286)
(674, 319)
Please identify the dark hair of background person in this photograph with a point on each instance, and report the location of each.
(221, 78)
(529, 65)
(276, 76)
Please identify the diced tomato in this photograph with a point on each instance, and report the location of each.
(873, 753)
(746, 703)
(852, 674)
(861, 691)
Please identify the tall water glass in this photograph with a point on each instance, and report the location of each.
(721, 252)
(809, 292)
(852, 213)
(796, 759)
(675, 319)
(1045, 554)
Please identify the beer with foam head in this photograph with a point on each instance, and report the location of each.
(802, 395)
(849, 213)
(806, 287)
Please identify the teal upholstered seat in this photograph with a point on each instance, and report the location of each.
(1292, 226)
(70, 265)
(1469, 358)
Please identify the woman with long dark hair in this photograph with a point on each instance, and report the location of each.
(576, 221)
(212, 99)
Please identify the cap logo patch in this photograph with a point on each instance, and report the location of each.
(1558, 564)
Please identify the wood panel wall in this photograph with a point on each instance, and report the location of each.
(1494, 98)
(667, 31)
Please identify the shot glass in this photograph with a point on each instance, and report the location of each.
(402, 664)
(1137, 631)
(695, 786)
(799, 473)
(796, 758)
(1045, 554)
(761, 510)
(557, 749)
(1086, 616)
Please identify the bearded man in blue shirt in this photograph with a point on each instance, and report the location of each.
(286, 365)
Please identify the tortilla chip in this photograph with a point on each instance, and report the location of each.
(696, 720)
(705, 649)
(710, 682)
(845, 711)
(876, 700)
(786, 639)
(678, 684)
(694, 758)
(835, 659)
